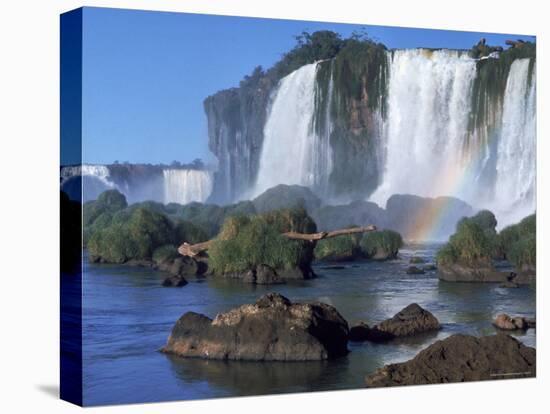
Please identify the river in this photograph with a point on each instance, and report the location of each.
(128, 315)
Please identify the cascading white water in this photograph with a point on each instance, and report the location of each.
(292, 153)
(429, 149)
(184, 186)
(516, 152)
(86, 182)
(429, 99)
(100, 172)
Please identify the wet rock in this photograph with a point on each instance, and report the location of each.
(525, 277)
(411, 320)
(362, 332)
(483, 273)
(508, 323)
(359, 333)
(333, 267)
(429, 268)
(509, 285)
(417, 260)
(413, 270)
(174, 281)
(461, 358)
(382, 254)
(272, 329)
(182, 266)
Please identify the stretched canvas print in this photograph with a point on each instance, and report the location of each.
(258, 206)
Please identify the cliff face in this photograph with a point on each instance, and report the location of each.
(236, 118)
(349, 104)
(351, 120)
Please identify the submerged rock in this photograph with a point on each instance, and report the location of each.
(417, 260)
(359, 333)
(266, 275)
(429, 268)
(272, 329)
(461, 358)
(362, 332)
(508, 323)
(509, 285)
(174, 281)
(413, 270)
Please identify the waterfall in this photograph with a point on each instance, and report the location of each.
(430, 149)
(184, 186)
(292, 153)
(99, 172)
(516, 152)
(429, 98)
(85, 181)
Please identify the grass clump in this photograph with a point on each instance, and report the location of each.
(383, 244)
(339, 248)
(470, 245)
(245, 242)
(518, 242)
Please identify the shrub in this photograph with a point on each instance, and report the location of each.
(131, 235)
(109, 201)
(185, 231)
(485, 219)
(470, 244)
(346, 246)
(245, 242)
(387, 241)
(210, 217)
(166, 253)
(518, 242)
(523, 253)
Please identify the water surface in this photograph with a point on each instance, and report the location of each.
(128, 315)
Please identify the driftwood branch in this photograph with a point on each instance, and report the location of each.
(192, 250)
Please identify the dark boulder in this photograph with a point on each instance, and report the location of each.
(411, 320)
(272, 329)
(359, 333)
(265, 275)
(461, 358)
(174, 281)
(182, 266)
(413, 270)
(362, 332)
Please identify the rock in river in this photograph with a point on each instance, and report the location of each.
(460, 358)
(174, 281)
(272, 329)
(409, 321)
(507, 323)
(413, 270)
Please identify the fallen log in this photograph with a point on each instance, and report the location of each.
(192, 250)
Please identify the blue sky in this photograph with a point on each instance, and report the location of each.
(146, 74)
